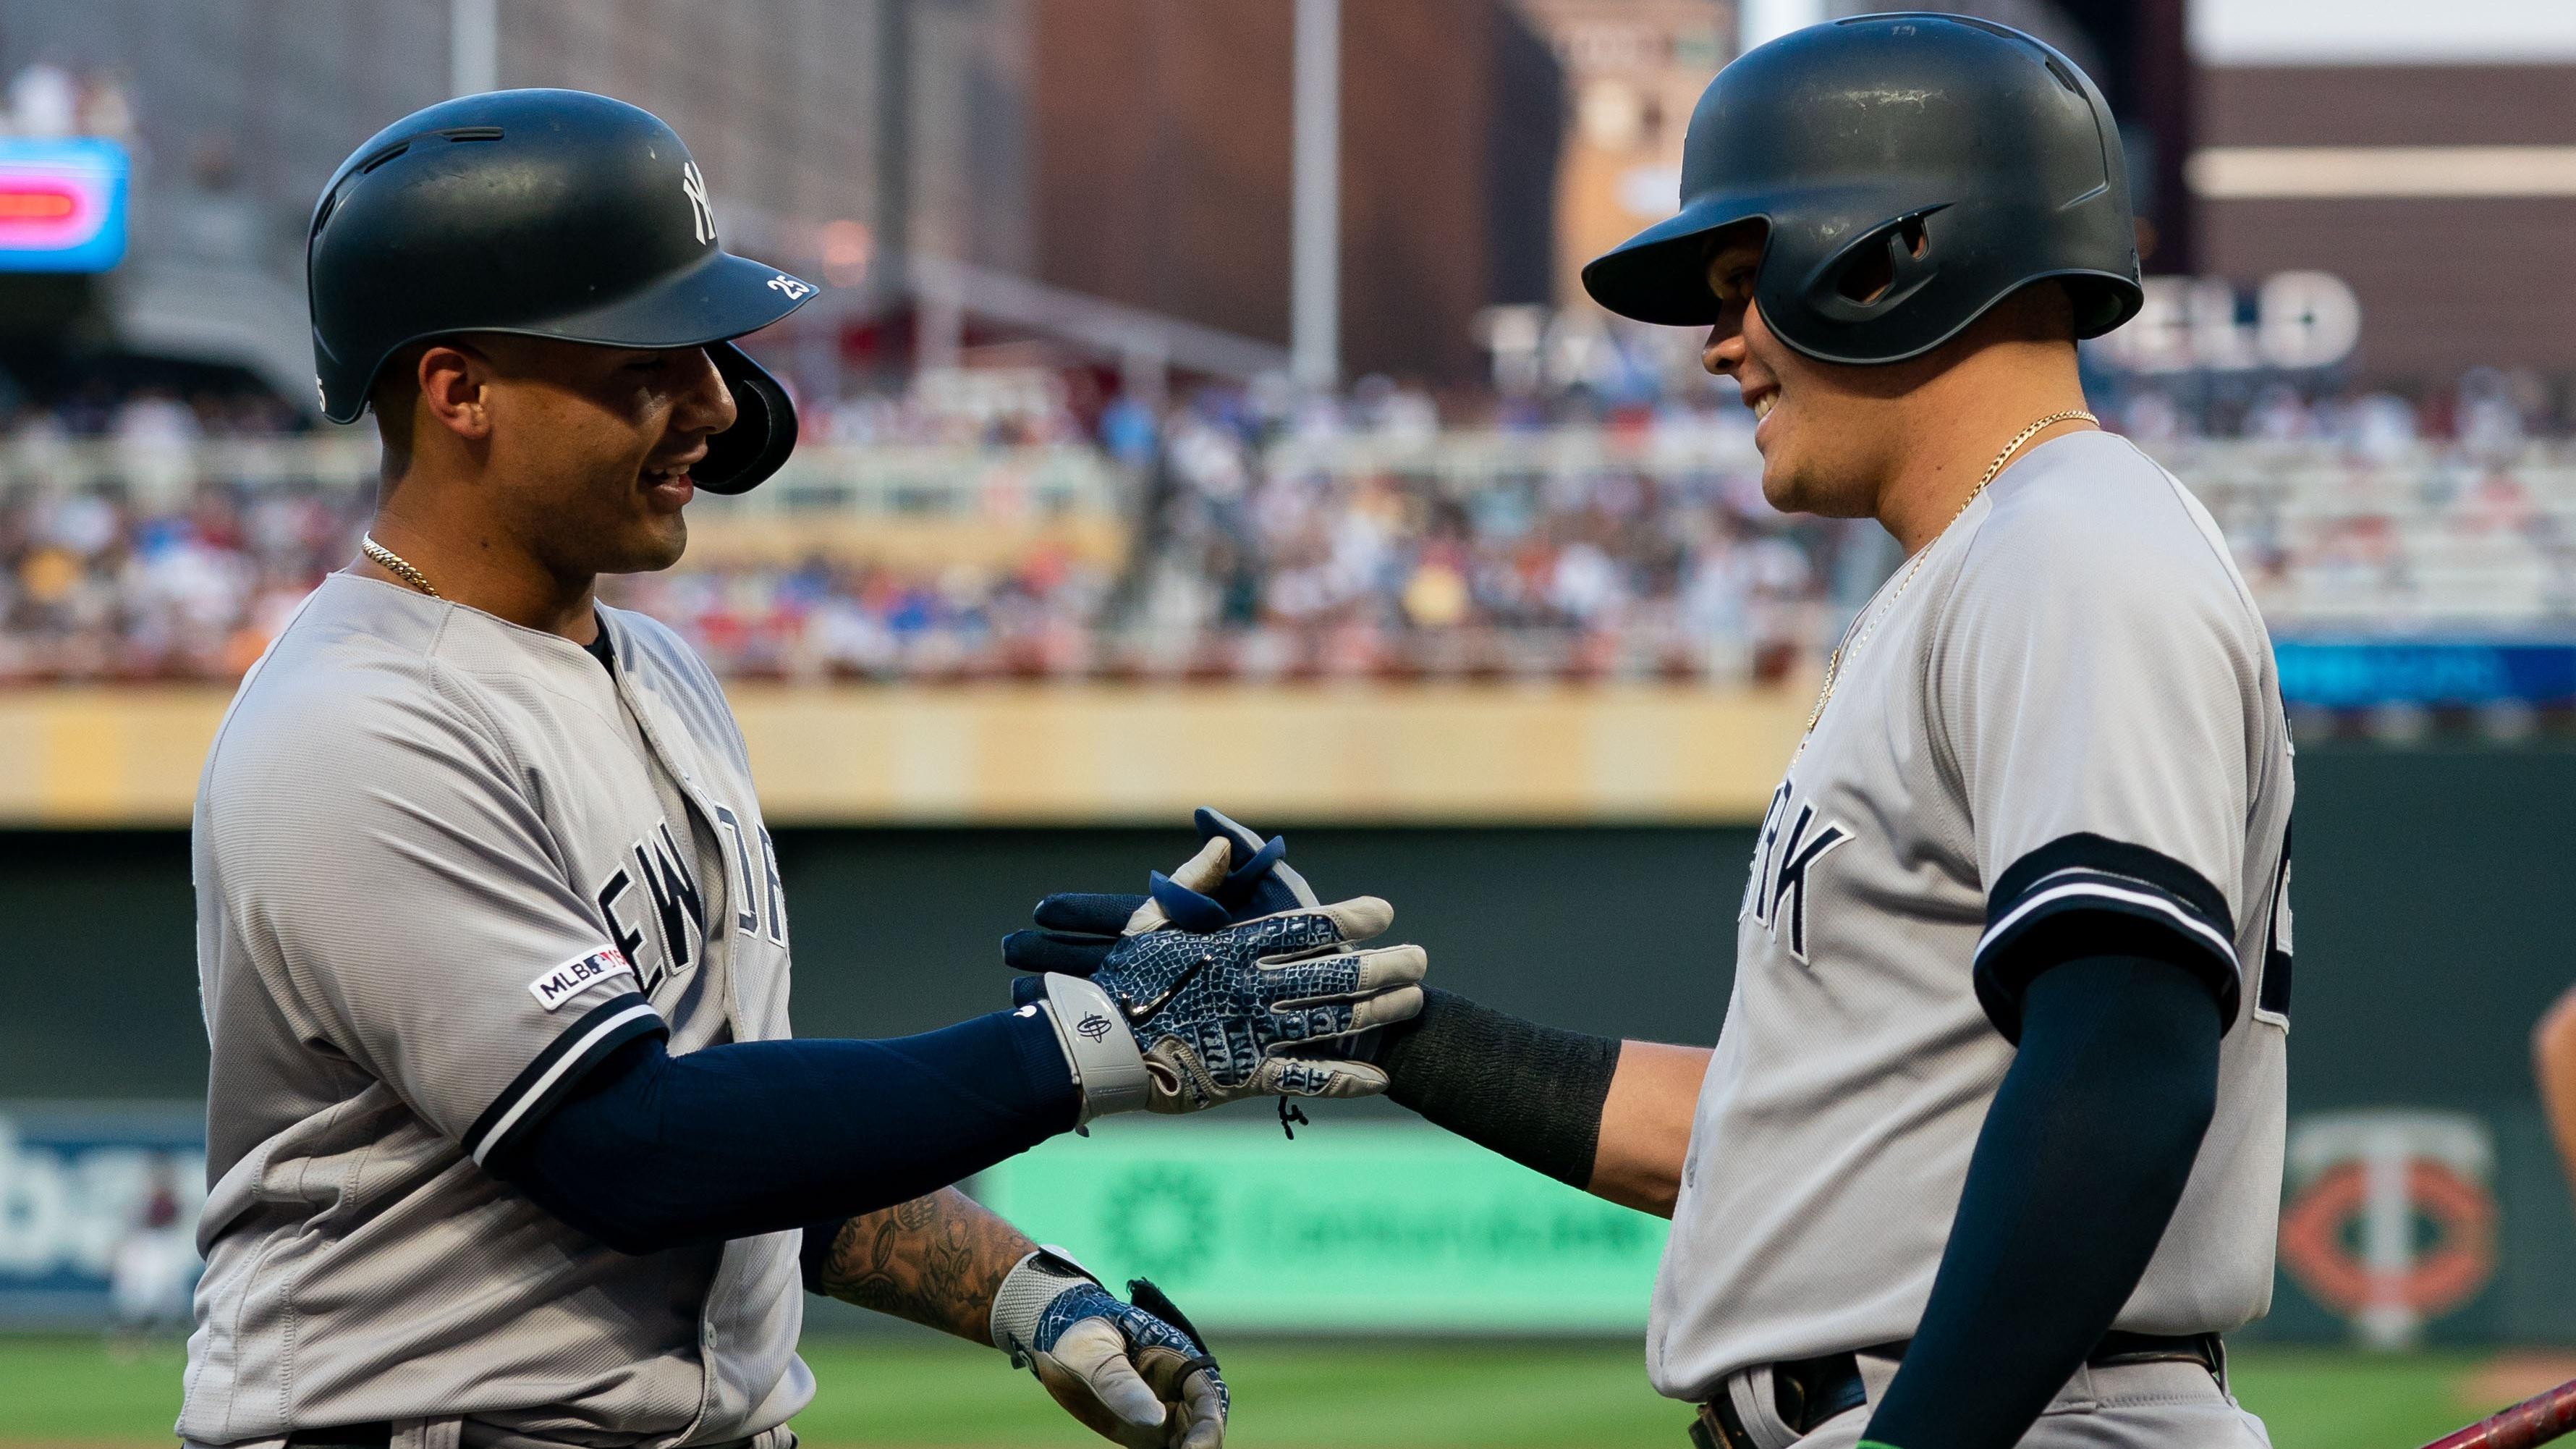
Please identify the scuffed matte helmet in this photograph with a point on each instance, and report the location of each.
(1913, 170)
(544, 213)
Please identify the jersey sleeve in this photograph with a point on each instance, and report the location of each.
(2091, 688)
(418, 911)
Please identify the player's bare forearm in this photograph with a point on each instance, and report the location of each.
(1646, 1125)
(2553, 1052)
(935, 1260)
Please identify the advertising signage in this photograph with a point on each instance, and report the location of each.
(1354, 1226)
(62, 205)
(98, 1211)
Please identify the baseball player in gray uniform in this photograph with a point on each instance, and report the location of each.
(509, 1143)
(1989, 1150)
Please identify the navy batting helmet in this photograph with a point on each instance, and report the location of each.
(1913, 170)
(544, 213)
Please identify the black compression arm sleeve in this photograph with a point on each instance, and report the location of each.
(654, 1151)
(1532, 1093)
(2083, 1157)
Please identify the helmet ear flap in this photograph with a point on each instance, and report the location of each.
(1876, 271)
(763, 432)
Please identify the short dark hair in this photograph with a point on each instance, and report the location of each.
(395, 396)
(2043, 311)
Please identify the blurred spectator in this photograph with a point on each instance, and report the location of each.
(44, 102)
(1270, 535)
(48, 102)
(103, 107)
(153, 1269)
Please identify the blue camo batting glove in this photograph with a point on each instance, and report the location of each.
(1137, 1373)
(1266, 1008)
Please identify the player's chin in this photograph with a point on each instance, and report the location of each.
(657, 531)
(1782, 487)
(646, 545)
(670, 539)
(1813, 490)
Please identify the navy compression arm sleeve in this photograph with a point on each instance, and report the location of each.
(654, 1151)
(1532, 1093)
(2075, 1176)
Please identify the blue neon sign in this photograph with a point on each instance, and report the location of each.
(62, 205)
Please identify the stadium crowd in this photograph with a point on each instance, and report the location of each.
(1268, 536)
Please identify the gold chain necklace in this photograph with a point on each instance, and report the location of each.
(1868, 623)
(400, 567)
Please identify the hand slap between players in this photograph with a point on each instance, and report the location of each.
(1259, 1009)
(1232, 978)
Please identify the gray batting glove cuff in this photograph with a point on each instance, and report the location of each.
(1108, 1068)
(1026, 1290)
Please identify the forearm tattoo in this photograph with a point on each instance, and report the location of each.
(935, 1260)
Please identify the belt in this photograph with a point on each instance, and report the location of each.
(1809, 1391)
(380, 1434)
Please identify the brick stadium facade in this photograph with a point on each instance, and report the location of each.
(2448, 278)
(1160, 168)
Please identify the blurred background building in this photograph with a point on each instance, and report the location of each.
(1156, 456)
(2424, 155)
(1161, 179)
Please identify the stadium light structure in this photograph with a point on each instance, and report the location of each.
(473, 46)
(1315, 202)
(1758, 21)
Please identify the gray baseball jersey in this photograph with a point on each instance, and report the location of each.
(2064, 734)
(444, 865)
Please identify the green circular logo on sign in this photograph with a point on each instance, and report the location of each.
(1160, 1219)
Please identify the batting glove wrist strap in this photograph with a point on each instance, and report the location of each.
(1108, 1067)
(1034, 1282)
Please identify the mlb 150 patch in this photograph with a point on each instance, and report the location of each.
(577, 975)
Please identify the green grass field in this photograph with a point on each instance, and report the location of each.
(913, 1395)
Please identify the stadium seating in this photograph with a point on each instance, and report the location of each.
(1635, 551)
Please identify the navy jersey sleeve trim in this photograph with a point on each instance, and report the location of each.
(545, 1081)
(2086, 895)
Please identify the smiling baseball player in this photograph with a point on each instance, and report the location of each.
(508, 1142)
(1989, 1150)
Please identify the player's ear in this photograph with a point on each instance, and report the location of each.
(455, 382)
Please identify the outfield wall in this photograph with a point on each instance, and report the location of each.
(1074, 754)
(2429, 937)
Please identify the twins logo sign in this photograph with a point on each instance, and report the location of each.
(2390, 1220)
